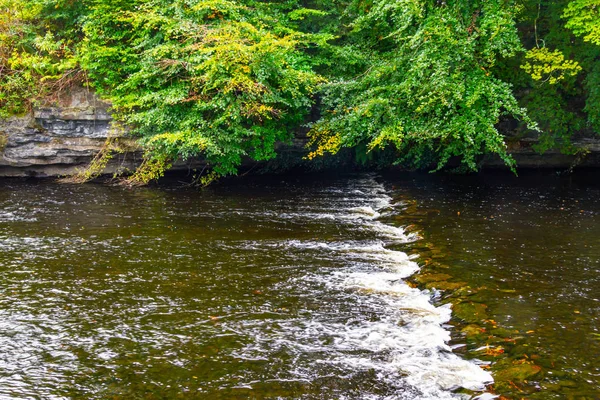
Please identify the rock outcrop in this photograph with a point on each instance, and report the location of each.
(59, 140)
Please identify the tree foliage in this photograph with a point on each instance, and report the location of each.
(429, 91)
(212, 78)
(37, 55)
(583, 18)
(229, 79)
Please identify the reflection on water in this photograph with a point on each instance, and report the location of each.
(278, 289)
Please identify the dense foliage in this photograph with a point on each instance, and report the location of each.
(228, 80)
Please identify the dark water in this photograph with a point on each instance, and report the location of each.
(290, 287)
(533, 245)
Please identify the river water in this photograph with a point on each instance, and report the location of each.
(292, 287)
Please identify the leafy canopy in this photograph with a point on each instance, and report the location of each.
(428, 90)
(228, 80)
(215, 78)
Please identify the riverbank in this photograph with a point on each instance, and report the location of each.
(61, 140)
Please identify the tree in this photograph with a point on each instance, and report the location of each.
(216, 78)
(428, 80)
(429, 89)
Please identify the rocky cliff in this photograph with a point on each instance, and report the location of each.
(60, 139)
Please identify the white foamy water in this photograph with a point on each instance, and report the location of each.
(405, 342)
(298, 294)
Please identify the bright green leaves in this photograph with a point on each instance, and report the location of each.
(216, 9)
(583, 18)
(200, 78)
(304, 13)
(227, 80)
(428, 90)
(549, 66)
(35, 61)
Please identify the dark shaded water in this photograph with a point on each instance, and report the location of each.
(532, 245)
(289, 287)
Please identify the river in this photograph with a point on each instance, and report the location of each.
(299, 287)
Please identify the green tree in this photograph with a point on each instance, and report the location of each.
(428, 88)
(216, 78)
(554, 78)
(37, 51)
(227, 80)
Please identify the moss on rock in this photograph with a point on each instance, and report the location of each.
(470, 312)
(516, 373)
(3, 141)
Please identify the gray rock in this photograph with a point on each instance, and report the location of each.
(61, 139)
